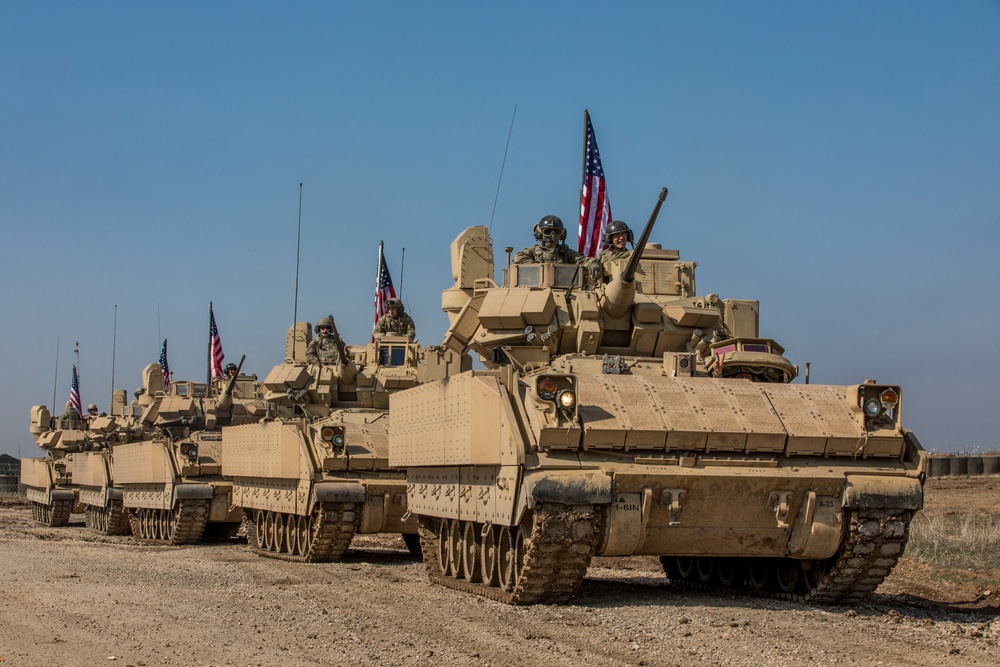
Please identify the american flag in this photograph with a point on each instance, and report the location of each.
(164, 366)
(215, 344)
(595, 210)
(74, 392)
(383, 288)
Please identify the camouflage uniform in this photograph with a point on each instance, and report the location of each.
(611, 254)
(402, 325)
(562, 254)
(323, 350)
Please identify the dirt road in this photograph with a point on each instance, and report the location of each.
(70, 597)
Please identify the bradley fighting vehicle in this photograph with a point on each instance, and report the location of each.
(75, 474)
(315, 471)
(171, 480)
(633, 416)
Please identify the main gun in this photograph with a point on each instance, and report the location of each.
(348, 373)
(226, 398)
(620, 292)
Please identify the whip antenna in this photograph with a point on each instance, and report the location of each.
(502, 164)
(298, 250)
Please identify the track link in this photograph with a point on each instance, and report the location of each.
(331, 528)
(190, 519)
(549, 562)
(873, 543)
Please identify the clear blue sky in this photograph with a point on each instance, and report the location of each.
(840, 162)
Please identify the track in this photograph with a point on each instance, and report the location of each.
(322, 537)
(55, 515)
(110, 520)
(183, 525)
(543, 560)
(873, 542)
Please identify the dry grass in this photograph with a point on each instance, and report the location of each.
(948, 540)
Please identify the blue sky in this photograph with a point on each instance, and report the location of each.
(838, 162)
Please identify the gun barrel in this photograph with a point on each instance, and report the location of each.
(341, 347)
(628, 275)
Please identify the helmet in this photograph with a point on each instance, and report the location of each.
(91, 407)
(616, 227)
(547, 226)
(324, 322)
(394, 303)
(230, 368)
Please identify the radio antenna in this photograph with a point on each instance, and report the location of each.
(502, 165)
(55, 380)
(298, 252)
(114, 348)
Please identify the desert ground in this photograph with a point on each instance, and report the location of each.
(72, 597)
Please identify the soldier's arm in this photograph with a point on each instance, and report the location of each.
(411, 328)
(526, 255)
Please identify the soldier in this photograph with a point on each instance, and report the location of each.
(551, 233)
(395, 321)
(323, 349)
(230, 371)
(70, 413)
(616, 235)
(92, 411)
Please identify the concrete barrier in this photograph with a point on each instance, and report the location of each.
(991, 464)
(975, 465)
(959, 466)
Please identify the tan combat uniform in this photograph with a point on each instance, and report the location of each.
(323, 350)
(402, 325)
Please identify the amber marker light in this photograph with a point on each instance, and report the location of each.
(547, 389)
(889, 399)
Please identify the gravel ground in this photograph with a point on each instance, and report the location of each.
(71, 597)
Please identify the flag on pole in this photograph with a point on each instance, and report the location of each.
(74, 393)
(383, 288)
(164, 366)
(595, 210)
(215, 343)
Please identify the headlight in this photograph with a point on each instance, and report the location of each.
(332, 435)
(872, 407)
(190, 450)
(546, 389)
(567, 399)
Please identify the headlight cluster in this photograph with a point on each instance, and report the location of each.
(878, 404)
(559, 390)
(190, 450)
(332, 434)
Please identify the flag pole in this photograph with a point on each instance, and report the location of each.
(208, 359)
(78, 373)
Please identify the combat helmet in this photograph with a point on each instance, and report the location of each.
(550, 223)
(324, 322)
(616, 227)
(394, 303)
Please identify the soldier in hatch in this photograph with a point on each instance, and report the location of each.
(550, 234)
(323, 349)
(616, 235)
(231, 371)
(395, 321)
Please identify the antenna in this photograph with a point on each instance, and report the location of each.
(298, 249)
(158, 335)
(79, 371)
(402, 261)
(55, 380)
(114, 348)
(502, 164)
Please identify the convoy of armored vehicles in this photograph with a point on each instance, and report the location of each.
(620, 416)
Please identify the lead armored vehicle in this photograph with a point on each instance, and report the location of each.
(171, 480)
(630, 415)
(316, 471)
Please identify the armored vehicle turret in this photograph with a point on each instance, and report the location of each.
(171, 480)
(316, 470)
(630, 415)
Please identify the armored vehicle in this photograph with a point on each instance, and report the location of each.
(631, 416)
(315, 472)
(171, 480)
(75, 473)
